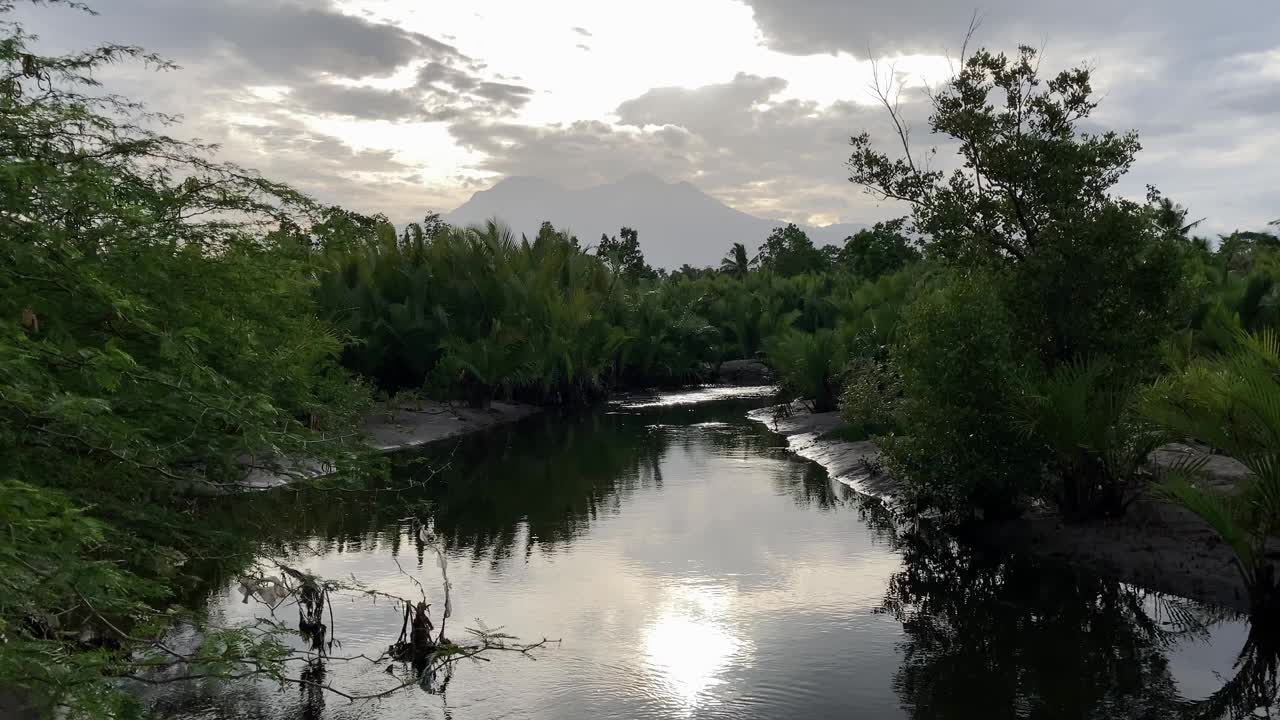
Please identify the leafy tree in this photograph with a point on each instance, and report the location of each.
(153, 335)
(789, 251)
(961, 449)
(431, 227)
(689, 272)
(622, 253)
(1085, 272)
(338, 230)
(547, 233)
(878, 250)
(1238, 250)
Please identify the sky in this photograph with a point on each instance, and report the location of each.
(407, 106)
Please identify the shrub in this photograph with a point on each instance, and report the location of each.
(1097, 443)
(1232, 402)
(960, 450)
(807, 365)
(872, 393)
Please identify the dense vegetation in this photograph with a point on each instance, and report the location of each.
(477, 314)
(168, 322)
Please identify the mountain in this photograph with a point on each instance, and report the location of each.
(677, 222)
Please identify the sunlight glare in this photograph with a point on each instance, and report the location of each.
(690, 644)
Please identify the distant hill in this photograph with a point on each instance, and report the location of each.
(677, 222)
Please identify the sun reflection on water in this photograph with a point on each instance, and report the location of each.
(690, 644)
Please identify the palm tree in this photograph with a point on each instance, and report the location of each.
(1232, 403)
(736, 263)
(1098, 444)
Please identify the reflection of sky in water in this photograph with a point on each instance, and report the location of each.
(732, 581)
(698, 395)
(690, 642)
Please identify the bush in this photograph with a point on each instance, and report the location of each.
(871, 396)
(960, 450)
(807, 365)
(1231, 402)
(1098, 444)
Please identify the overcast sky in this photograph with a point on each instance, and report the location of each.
(403, 106)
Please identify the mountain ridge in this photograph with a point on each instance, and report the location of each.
(677, 222)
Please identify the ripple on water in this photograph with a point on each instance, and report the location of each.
(686, 582)
(706, 393)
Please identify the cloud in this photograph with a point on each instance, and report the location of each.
(254, 73)
(462, 94)
(260, 41)
(298, 87)
(505, 95)
(804, 27)
(1199, 81)
(699, 107)
(770, 157)
(356, 101)
(438, 75)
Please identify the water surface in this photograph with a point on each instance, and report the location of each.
(693, 569)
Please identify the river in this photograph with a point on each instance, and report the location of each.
(691, 568)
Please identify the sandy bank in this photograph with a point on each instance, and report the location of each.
(1157, 545)
(409, 426)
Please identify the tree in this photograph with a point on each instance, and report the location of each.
(624, 254)
(736, 262)
(877, 250)
(1086, 272)
(960, 447)
(431, 227)
(789, 251)
(152, 334)
(1240, 249)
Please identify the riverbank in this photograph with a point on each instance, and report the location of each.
(1157, 545)
(392, 429)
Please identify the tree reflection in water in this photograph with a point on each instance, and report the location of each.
(1253, 690)
(984, 637)
(1006, 637)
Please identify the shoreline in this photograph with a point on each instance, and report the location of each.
(415, 424)
(409, 426)
(1157, 545)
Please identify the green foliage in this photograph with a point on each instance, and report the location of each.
(622, 253)
(736, 262)
(1071, 271)
(1084, 273)
(879, 250)
(870, 312)
(153, 336)
(871, 395)
(1231, 402)
(475, 314)
(809, 365)
(1097, 443)
(960, 372)
(789, 251)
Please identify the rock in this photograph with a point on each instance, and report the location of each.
(745, 372)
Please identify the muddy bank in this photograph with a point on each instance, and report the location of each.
(854, 463)
(1157, 545)
(387, 430)
(415, 424)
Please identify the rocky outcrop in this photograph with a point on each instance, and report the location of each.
(745, 372)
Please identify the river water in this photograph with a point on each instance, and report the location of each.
(691, 568)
